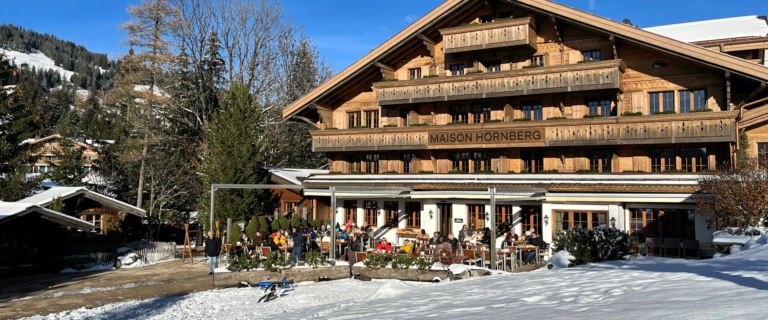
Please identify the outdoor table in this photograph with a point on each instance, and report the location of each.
(339, 243)
(503, 254)
(529, 248)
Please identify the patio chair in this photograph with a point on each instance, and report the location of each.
(265, 251)
(473, 259)
(651, 243)
(487, 260)
(691, 245)
(360, 256)
(228, 250)
(544, 253)
(674, 244)
(325, 248)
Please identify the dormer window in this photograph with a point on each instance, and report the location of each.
(660, 64)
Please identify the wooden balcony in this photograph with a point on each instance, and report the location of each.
(706, 127)
(567, 78)
(513, 33)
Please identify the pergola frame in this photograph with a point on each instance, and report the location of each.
(332, 253)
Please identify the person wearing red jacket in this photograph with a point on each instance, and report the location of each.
(384, 246)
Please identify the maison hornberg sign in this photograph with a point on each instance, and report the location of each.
(510, 136)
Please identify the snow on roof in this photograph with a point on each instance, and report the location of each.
(10, 210)
(46, 197)
(738, 27)
(295, 176)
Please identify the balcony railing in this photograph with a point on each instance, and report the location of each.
(503, 34)
(635, 130)
(566, 78)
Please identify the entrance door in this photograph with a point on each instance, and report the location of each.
(531, 216)
(446, 218)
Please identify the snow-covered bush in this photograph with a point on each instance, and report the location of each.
(424, 264)
(377, 260)
(402, 262)
(276, 261)
(245, 262)
(587, 246)
(315, 259)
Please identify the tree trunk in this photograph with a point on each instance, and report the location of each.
(143, 168)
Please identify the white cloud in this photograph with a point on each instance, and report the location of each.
(592, 4)
(410, 18)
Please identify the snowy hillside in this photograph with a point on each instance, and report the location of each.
(37, 60)
(729, 287)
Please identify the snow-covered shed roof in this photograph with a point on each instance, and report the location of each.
(46, 197)
(12, 210)
(728, 28)
(292, 176)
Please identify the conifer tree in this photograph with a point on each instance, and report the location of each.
(284, 224)
(57, 204)
(68, 168)
(18, 121)
(275, 225)
(252, 227)
(235, 234)
(234, 157)
(295, 220)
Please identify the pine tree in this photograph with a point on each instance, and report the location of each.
(275, 225)
(18, 121)
(69, 170)
(235, 234)
(295, 222)
(252, 227)
(234, 158)
(57, 204)
(284, 224)
(263, 225)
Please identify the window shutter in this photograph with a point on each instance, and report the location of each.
(639, 103)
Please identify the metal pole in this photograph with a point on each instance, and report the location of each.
(213, 191)
(492, 192)
(332, 241)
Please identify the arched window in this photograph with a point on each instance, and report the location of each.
(660, 64)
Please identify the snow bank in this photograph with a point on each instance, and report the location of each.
(458, 269)
(91, 269)
(37, 60)
(750, 243)
(561, 259)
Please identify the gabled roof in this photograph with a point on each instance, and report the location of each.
(562, 12)
(45, 198)
(13, 210)
(718, 29)
(287, 176)
(54, 136)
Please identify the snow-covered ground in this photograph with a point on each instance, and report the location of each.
(37, 60)
(728, 287)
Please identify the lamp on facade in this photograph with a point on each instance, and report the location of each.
(430, 214)
(613, 222)
(546, 220)
(709, 223)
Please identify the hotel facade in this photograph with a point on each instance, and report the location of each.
(578, 121)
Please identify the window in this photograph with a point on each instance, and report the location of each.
(96, 220)
(600, 106)
(531, 216)
(692, 100)
(372, 119)
(663, 160)
(407, 162)
(390, 213)
(600, 160)
(694, 159)
(460, 161)
(481, 113)
(371, 213)
(493, 66)
(503, 216)
(413, 211)
(457, 69)
(762, 152)
(533, 162)
(661, 101)
(406, 115)
(353, 120)
(460, 114)
(353, 163)
(371, 163)
(660, 64)
(482, 160)
(662, 223)
(350, 210)
(580, 219)
(532, 110)
(476, 216)
(414, 74)
(591, 55)
(537, 61)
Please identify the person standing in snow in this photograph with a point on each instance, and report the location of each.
(212, 251)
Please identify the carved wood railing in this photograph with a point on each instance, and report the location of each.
(501, 34)
(706, 127)
(566, 78)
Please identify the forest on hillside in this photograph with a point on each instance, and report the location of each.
(197, 100)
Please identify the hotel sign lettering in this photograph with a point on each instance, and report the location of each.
(530, 135)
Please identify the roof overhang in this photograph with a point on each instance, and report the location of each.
(74, 192)
(49, 215)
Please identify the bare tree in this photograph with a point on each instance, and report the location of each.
(736, 198)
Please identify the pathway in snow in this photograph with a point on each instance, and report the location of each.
(730, 287)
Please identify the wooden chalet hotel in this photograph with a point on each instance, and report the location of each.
(577, 120)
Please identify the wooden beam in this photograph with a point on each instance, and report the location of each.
(307, 121)
(727, 89)
(612, 39)
(753, 94)
(428, 43)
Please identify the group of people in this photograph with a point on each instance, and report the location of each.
(354, 236)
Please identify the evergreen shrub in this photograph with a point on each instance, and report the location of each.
(377, 260)
(235, 234)
(252, 227)
(597, 245)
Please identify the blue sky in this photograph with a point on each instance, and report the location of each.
(343, 30)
